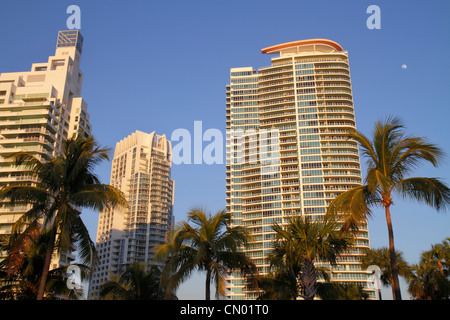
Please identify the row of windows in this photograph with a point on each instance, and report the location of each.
(244, 80)
(244, 115)
(310, 151)
(270, 183)
(248, 121)
(312, 180)
(313, 195)
(271, 198)
(308, 123)
(303, 72)
(305, 91)
(244, 103)
(244, 97)
(244, 86)
(271, 190)
(309, 137)
(314, 210)
(305, 78)
(311, 165)
(311, 158)
(271, 205)
(307, 97)
(308, 130)
(304, 66)
(248, 109)
(307, 116)
(270, 169)
(307, 110)
(315, 202)
(311, 173)
(244, 92)
(309, 144)
(305, 84)
(241, 73)
(307, 103)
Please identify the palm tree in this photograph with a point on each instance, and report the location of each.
(18, 274)
(427, 283)
(381, 258)
(65, 184)
(439, 254)
(429, 279)
(21, 269)
(138, 282)
(282, 282)
(205, 242)
(341, 291)
(391, 157)
(301, 243)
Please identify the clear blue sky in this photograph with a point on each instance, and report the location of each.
(159, 66)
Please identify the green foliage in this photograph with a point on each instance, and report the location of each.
(137, 282)
(63, 185)
(391, 157)
(296, 247)
(205, 242)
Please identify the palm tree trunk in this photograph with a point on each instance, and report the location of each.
(46, 267)
(396, 295)
(207, 285)
(308, 279)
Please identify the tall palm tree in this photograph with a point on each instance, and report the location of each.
(138, 282)
(205, 242)
(302, 243)
(64, 185)
(391, 157)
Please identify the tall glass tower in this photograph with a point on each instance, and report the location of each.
(141, 168)
(287, 153)
(39, 110)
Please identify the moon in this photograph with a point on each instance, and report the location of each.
(404, 66)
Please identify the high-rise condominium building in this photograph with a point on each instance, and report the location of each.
(287, 153)
(141, 168)
(39, 109)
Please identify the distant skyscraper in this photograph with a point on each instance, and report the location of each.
(141, 168)
(39, 110)
(287, 153)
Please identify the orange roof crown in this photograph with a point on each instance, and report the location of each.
(277, 48)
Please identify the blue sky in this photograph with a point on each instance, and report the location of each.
(160, 66)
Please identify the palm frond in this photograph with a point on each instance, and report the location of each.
(431, 191)
(354, 206)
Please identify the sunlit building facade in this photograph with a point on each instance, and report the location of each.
(141, 168)
(287, 153)
(39, 110)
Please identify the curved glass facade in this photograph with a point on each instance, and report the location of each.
(290, 155)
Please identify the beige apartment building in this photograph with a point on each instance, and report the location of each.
(141, 168)
(287, 153)
(39, 109)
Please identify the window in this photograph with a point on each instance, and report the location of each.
(310, 151)
(307, 123)
(311, 172)
(313, 180)
(311, 203)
